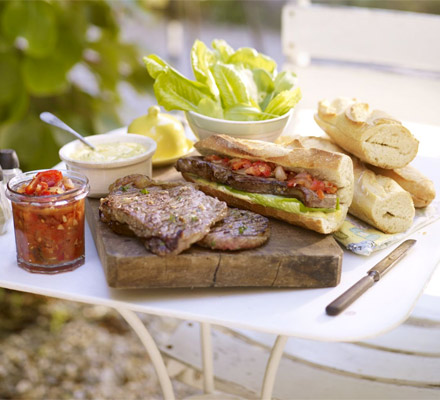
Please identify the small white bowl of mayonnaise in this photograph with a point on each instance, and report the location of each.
(116, 156)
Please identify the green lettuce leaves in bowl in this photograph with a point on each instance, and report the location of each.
(237, 85)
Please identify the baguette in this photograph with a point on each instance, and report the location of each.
(321, 165)
(371, 135)
(377, 199)
(420, 187)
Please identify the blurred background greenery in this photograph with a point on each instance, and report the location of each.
(77, 58)
(42, 44)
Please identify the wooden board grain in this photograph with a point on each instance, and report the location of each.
(293, 257)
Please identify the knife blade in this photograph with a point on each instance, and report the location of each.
(373, 276)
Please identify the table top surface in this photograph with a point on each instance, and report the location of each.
(292, 312)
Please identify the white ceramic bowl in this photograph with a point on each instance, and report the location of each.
(102, 174)
(267, 130)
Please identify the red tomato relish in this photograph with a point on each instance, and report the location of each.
(48, 215)
(46, 183)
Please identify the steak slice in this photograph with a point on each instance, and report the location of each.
(168, 216)
(254, 184)
(240, 230)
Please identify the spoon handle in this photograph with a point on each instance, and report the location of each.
(51, 119)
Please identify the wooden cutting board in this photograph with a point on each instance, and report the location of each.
(293, 257)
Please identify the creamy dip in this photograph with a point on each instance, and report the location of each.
(107, 152)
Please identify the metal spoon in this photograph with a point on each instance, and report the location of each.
(51, 119)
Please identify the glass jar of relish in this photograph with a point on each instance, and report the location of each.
(48, 211)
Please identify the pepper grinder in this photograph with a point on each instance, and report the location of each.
(10, 164)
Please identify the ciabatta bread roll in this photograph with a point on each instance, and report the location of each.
(311, 188)
(420, 187)
(371, 135)
(377, 199)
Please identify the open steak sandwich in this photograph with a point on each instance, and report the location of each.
(311, 188)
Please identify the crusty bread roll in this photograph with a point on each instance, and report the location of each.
(324, 165)
(377, 199)
(420, 187)
(371, 135)
(242, 148)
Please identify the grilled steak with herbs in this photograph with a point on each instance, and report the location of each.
(169, 217)
(217, 172)
(241, 229)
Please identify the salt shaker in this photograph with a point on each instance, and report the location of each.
(5, 206)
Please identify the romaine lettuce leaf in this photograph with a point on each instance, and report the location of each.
(264, 85)
(231, 86)
(173, 90)
(250, 58)
(155, 65)
(285, 80)
(211, 108)
(283, 102)
(241, 112)
(202, 59)
(280, 202)
(222, 50)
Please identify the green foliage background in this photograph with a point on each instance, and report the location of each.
(40, 42)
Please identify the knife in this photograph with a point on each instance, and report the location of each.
(373, 275)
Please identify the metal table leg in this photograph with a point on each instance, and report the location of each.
(207, 358)
(208, 368)
(272, 367)
(154, 353)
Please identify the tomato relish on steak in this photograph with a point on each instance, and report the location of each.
(267, 169)
(262, 177)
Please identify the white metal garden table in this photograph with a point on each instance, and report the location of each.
(282, 312)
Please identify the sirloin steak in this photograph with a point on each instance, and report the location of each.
(241, 229)
(168, 216)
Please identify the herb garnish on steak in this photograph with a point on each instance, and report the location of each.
(169, 216)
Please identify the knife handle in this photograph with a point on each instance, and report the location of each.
(350, 295)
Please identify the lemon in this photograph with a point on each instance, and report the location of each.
(166, 130)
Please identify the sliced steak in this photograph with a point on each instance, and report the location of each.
(240, 230)
(254, 184)
(170, 217)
